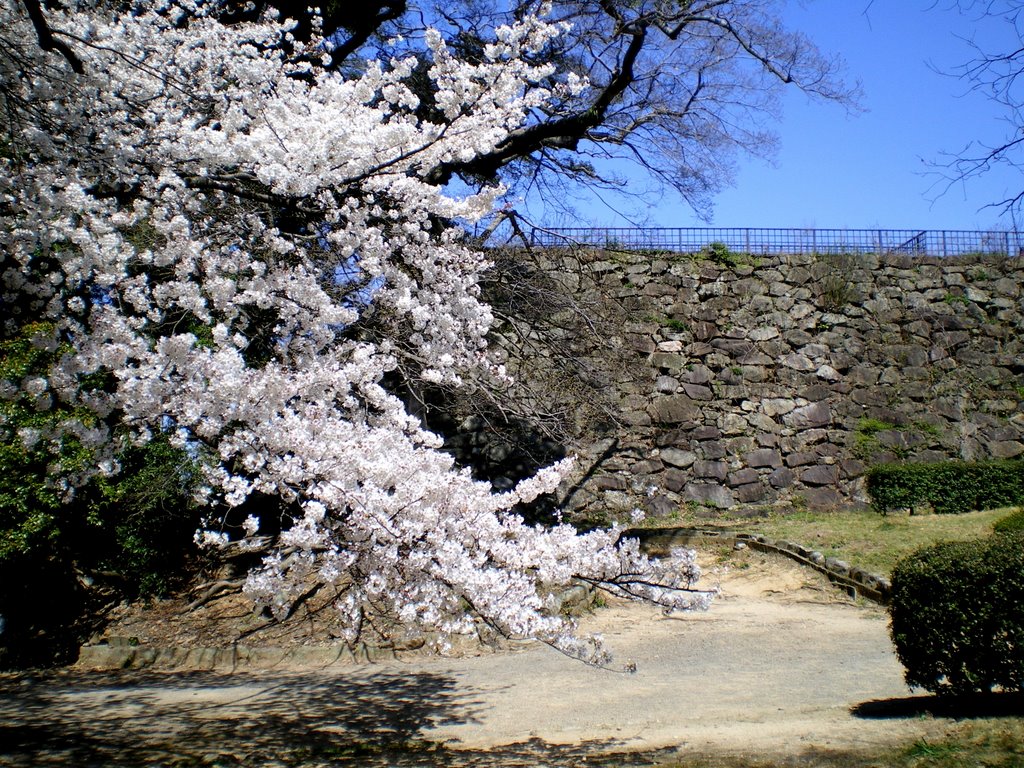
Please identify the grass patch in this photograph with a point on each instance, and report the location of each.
(996, 742)
(862, 538)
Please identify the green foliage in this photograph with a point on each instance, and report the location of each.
(949, 487)
(671, 323)
(870, 427)
(148, 514)
(837, 292)
(955, 298)
(64, 532)
(927, 428)
(836, 287)
(721, 254)
(956, 619)
(922, 748)
(1012, 523)
(864, 441)
(38, 455)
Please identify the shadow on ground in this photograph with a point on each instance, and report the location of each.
(954, 707)
(210, 719)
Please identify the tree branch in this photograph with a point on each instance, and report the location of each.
(45, 36)
(563, 133)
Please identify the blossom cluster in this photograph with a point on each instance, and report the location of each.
(178, 212)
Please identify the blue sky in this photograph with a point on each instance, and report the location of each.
(834, 169)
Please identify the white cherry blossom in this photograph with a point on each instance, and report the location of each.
(141, 219)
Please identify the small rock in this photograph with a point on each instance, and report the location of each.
(828, 373)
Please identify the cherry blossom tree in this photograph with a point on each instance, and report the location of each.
(207, 216)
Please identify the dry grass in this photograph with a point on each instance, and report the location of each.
(992, 742)
(860, 537)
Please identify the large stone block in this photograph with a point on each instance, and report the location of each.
(710, 493)
(697, 392)
(666, 385)
(668, 361)
(815, 393)
(822, 474)
(742, 477)
(851, 468)
(750, 493)
(712, 449)
(763, 457)
(822, 499)
(1008, 449)
(733, 424)
(703, 330)
(733, 347)
(806, 437)
(675, 479)
(798, 362)
(674, 409)
(677, 457)
(717, 470)
(782, 478)
(660, 505)
(658, 288)
(763, 334)
(698, 374)
(777, 406)
(763, 423)
(647, 467)
(801, 458)
(810, 416)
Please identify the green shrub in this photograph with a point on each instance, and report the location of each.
(721, 254)
(949, 487)
(145, 516)
(871, 427)
(72, 541)
(39, 457)
(62, 562)
(1011, 523)
(956, 615)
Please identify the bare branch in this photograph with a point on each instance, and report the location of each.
(47, 41)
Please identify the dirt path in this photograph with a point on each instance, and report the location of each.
(778, 666)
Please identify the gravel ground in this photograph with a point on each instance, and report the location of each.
(782, 665)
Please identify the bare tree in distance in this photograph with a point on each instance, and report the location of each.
(998, 75)
(675, 88)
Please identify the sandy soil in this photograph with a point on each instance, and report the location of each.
(781, 665)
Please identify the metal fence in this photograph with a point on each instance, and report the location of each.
(915, 242)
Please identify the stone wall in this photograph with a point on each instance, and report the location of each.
(780, 379)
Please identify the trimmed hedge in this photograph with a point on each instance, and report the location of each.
(948, 486)
(957, 620)
(1011, 523)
